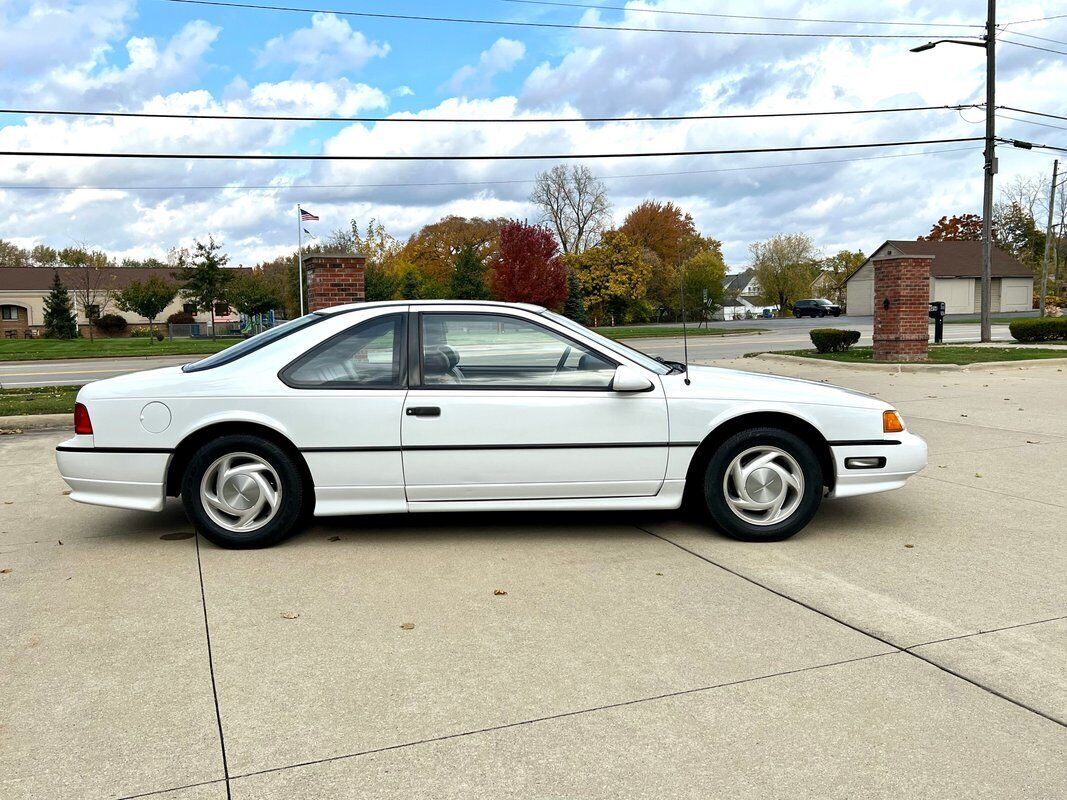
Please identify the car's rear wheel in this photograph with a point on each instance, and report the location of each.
(762, 485)
(243, 491)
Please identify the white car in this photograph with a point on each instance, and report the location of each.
(405, 407)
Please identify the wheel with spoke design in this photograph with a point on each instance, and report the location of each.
(763, 484)
(242, 491)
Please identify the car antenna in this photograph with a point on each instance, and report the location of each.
(685, 338)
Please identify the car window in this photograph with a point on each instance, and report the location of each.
(367, 355)
(645, 360)
(495, 350)
(254, 343)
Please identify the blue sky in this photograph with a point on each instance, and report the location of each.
(130, 55)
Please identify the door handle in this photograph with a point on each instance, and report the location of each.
(423, 411)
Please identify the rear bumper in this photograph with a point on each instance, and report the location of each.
(121, 479)
(901, 462)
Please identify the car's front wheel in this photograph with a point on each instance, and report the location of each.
(242, 491)
(762, 485)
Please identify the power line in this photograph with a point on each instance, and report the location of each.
(482, 120)
(1037, 19)
(1035, 113)
(1034, 47)
(1033, 122)
(479, 157)
(553, 25)
(302, 186)
(1038, 38)
(741, 16)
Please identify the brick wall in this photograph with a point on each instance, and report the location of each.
(901, 306)
(334, 279)
(17, 326)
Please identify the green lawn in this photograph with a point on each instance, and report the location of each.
(940, 354)
(657, 331)
(35, 349)
(43, 400)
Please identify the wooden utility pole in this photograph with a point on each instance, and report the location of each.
(1043, 289)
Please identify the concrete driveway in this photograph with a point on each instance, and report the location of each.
(904, 645)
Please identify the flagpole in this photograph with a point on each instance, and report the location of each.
(300, 257)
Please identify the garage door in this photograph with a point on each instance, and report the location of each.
(1016, 294)
(859, 300)
(957, 294)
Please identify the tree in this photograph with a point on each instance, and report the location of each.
(252, 294)
(204, 276)
(92, 282)
(146, 298)
(379, 283)
(574, 203)
(785, 265)
(59, 319)
(612, 276)
(433, 250)
(468, 279)
(573, 307)
(281, 274)
(409, 286)
(664, 229)
(1017, 232)
(838, 267)
(11, 255)
(959, 227)
(528, 269)
(704, 289)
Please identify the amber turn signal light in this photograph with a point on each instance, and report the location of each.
(891, 422)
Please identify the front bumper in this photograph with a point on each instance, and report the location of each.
(901, 462)
(117, 478)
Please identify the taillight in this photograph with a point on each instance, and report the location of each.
(82, 424)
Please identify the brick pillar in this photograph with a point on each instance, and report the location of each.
(901, 306)
(334, 279)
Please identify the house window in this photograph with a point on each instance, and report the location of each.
(189, 308)
(222, 310)
(9, 312)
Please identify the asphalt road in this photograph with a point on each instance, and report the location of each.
(784, 334)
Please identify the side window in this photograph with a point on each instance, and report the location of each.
(494, 350)
(365, 356)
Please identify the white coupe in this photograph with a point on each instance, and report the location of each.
(405, 407)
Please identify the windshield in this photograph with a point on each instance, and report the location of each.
(645, 361)
(247, 346)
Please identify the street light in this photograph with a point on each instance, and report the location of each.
(989, 43)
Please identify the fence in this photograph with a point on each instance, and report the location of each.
(223, 330)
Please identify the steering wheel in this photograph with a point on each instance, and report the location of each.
(562, 361)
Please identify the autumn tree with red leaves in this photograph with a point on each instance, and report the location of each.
(527, 267)
(960, 227)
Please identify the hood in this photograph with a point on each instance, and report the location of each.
(721, 384)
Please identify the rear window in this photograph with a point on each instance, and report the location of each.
(253, 343)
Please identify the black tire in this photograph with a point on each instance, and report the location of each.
(821, 313)
(714, 491)
(290, 487)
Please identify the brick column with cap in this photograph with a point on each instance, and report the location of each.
(334, 279)
(901, 306)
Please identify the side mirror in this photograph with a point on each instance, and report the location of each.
(630, 379)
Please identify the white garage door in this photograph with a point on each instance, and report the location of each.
(957, 293)
(1016, 294)
(859, 300)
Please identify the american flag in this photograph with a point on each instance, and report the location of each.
(307, 216)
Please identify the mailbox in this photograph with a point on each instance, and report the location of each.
(937, 314)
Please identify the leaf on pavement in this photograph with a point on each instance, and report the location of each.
(499, 592)
(289, 615)
(334, 539)
(408, 626)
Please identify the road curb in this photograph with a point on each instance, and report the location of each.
(37, 422)
(781, 358)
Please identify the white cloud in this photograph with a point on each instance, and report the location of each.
(501, 57)
(330, 47)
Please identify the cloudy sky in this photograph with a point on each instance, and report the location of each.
(154, 55)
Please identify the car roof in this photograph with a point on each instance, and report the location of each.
(460, 303)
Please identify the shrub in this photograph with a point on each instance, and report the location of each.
(833, 340)
(181, 318)
(111, 323)
(1039, 329)
(146, 333)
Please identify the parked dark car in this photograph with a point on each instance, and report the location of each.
(816, 308)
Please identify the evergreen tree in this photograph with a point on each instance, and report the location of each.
(59, 320)
(468, 279)
(573, 307)
(409, 289)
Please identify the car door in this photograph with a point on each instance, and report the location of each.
(506, 405)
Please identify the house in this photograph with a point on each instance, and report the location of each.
(826, 286)
(742, 298)
(955, 277)
(23, 291)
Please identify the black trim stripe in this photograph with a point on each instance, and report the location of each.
(553, 446)
(63, 449)
(863, 442)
